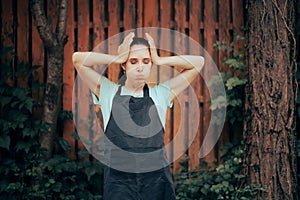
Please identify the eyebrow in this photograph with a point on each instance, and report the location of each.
(137, 58)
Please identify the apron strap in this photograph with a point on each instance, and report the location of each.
(146, 90)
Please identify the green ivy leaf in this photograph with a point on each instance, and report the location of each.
(75, 135)
(90, 171)
(14, 186)
(64, 144)
(17, 116)
(234, 81)
(5, 100)
(235, 102)
(57, 187)
(84, 154)
(218, 103)
(23, 145)
(51, 180)
(29, 132)
(5, 141)
(28, 104)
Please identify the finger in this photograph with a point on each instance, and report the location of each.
(150, 41)
(149, 38)
(129, 37)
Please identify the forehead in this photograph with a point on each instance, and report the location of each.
(139, 51)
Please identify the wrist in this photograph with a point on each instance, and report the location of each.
(157, 61)
(160, 61)
(118, 60)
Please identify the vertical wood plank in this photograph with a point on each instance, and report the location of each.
(151, 20)
(7, 36)
(180, 118)
(98, 22)
(129, 14)
(113, 29)
(38, 73)
(68, 78)
(23, 43)
(224, 28)
(209, 34)
(237, 25)
(83, 25)
(83, 45)
(140, 13)
(165, 73)
(224, 25)
(194, 29)
(99, 36)
(238, 22)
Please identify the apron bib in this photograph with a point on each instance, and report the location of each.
(135, 126)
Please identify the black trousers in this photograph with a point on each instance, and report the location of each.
(154, 185)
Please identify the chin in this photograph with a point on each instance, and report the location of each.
(141, 81)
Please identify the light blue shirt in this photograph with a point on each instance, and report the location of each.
(160, 95)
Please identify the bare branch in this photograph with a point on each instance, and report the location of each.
(41, 23)
(62, 21)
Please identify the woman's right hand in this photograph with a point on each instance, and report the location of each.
(124, 48)
(155, 58)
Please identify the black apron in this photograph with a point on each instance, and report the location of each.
(120, 184)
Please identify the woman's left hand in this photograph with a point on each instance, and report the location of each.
(124, 48)
(155, 58)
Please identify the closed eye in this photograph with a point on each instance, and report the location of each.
(133, 61)
(146, 60)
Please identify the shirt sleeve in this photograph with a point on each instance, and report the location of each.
(107, 93)
(164, 93)
(107, 89)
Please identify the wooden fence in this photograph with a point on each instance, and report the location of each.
(92, 21)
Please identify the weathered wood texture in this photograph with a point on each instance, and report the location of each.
(91, 22)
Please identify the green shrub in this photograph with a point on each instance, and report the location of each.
(234, 81)
(225, 181)
(24, 173)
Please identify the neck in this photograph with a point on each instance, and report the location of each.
(136, 87)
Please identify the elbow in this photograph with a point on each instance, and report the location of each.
(198, 63)
(76, 59)
(201, 62)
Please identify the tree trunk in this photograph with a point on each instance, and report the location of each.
(269, 126)
(54, 44)
(52, 99)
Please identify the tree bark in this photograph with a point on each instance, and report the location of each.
(54, 44)
(269, 126)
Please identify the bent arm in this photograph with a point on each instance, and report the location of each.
(83, 61)
(189, 67)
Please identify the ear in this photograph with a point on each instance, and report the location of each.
(123, 65)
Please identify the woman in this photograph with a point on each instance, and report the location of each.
(127, 132)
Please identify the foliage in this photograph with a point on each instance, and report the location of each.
(25, 174)
(234, 81)
(223, 182)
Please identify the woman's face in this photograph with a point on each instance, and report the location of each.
(139, 63)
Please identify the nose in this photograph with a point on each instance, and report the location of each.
(140, 67)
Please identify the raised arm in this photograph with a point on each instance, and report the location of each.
(83, 61)
(189, 67)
